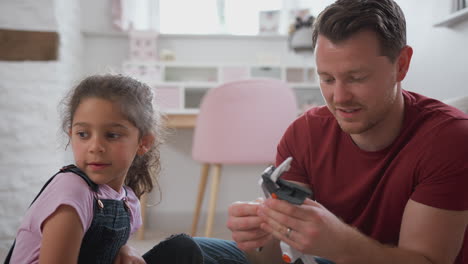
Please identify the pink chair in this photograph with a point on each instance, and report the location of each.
(240, 122)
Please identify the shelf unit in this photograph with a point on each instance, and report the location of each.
(454, 18)
(180, 87)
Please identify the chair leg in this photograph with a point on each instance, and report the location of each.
(141, 230)
(213, 200)
(201, 192)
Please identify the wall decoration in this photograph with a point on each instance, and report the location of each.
(269, 22)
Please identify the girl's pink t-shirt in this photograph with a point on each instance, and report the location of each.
(66, 189)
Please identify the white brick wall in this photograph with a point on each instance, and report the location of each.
(30, 91)
(28, 14)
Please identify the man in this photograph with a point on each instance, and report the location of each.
(388, 168)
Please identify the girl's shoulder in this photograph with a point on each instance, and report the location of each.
(70, 177)
(65, 189)
(69, 185)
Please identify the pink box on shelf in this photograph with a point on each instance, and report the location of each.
(167, 97)
(143, 45)
(234, 73)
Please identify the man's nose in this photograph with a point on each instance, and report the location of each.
(341, 93)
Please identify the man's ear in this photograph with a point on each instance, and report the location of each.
(145, 144)
(403, 62)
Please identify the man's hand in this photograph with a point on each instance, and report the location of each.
(313, 229)
(428, 234)
(244, 223)
(128, 255)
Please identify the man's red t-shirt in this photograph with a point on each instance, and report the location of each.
(428, 163)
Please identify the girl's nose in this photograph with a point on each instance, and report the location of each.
(96, 145)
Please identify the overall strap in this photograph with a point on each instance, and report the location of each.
(68, 168)
(77, 171)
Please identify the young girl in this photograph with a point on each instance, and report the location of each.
(87, 211)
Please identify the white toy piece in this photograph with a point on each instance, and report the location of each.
(290, 255)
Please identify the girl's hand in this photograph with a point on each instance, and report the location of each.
(128, 255)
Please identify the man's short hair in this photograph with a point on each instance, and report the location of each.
(344, 18)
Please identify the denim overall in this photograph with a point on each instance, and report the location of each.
(109, 229)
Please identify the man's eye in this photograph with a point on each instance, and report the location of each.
(328, 80)
(358, 78)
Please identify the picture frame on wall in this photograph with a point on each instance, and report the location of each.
(269, 22)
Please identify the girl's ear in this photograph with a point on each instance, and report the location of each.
(145, 144)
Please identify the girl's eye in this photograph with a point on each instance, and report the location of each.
(113, 135)
(82, 134)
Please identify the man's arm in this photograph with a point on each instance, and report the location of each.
(428, 235)
(434, 233)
